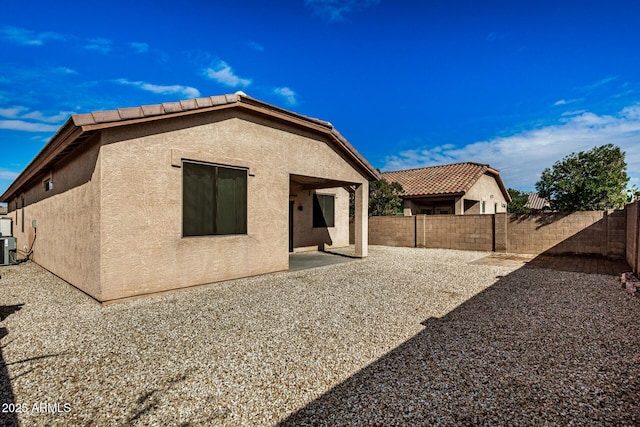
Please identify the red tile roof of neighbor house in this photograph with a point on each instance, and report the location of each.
(79, 127)
(454, 179)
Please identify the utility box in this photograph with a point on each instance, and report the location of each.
(6, 227)
(8, 254)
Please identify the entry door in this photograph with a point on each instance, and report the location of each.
(291, 204)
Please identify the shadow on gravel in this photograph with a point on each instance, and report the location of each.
(563, 350)
(8, 417)
(581, 264)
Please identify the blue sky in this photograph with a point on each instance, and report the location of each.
(516, 84)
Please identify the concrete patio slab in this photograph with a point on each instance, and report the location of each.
(305, 260)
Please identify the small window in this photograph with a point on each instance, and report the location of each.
(48, 185)
(323, 210)
(214, 200)
(484, 207)
(495, 208)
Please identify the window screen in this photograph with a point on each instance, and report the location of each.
(214, 200)
(323, 210)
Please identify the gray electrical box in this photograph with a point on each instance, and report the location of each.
(8, 254)
(6, 227)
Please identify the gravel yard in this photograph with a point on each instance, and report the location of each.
(404, 337)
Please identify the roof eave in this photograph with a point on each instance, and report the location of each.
(58, 142)
(78, 125)
(433, 195)
(498, 178)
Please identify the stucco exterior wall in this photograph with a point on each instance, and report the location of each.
(470, 204)
(482, 190)
(67, 219)
(142, 247)
(305, 236)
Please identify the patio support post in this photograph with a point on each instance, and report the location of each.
(362, 220)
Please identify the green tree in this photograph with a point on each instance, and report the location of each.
(633, 194)
(384, 198)
(518, 201)
(589, 180)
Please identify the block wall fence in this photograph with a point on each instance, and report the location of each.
(613, 234)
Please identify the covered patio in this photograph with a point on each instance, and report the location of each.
(319, 214)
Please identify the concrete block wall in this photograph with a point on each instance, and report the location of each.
(632, 217)
(617, 234)
(601, 233)
(392, 231)
(467, 232)
(583, 233)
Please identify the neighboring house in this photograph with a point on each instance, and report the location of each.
(141, 200)
(460, 188)
(537, 203)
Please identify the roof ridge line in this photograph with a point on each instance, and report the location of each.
(439, 166)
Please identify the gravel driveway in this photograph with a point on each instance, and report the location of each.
(404, 337)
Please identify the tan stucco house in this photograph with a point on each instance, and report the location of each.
(141, 200)
(459, 188)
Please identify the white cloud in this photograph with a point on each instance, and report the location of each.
(12, 112)
(65, 70)
(522, 157)
(491, 37)
(565, 102)
(38, 116)
(28, 37)
(139, 47)
(100, 45)
(288, 94)
(601, 82)
(336, 10)
(20, 112)
(222, 73)
(21, 125)
(187, 91)
(8, 174)
(255, 46)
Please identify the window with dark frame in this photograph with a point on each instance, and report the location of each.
(214, 200)
(324, 210)
(48, 185)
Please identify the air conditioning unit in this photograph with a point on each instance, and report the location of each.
(8, 254)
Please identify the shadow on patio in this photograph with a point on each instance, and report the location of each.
(538, 347)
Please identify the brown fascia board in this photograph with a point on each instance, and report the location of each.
(82, 123)
(60, 140)
(433, 195)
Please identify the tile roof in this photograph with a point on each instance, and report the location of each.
(536, 202)
(456, 178)
(79, 127)
(148, 111)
